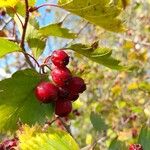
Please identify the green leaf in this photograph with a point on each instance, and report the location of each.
(97, 122)
(53, 139)
(100, 55)
(8, 3)
(144, 86)
(99, 12)
(8, 47)
(18, 102)
(35, 40)
(144, 138)
(56, 30)
(117, 145)
(37, 45)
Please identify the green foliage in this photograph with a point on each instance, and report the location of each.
(56, 30)
(144, 86)
(97, 122)
(53, 139)
(18, 102)
(7, 47)
(100, 12)
(144, 138)
(100, 55)
(117, 145)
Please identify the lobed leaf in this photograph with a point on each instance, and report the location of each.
(53, 139)
(8, 3)
(100, 55)
(99, 12)
(7, 46)
(56, 30)
(144, 138)
(117, 145)
(97, 122)
(18, 102)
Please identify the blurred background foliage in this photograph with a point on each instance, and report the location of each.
(119, 100)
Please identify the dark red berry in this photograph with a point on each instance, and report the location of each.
(63, 108)
(76, 112)
(46, 92)
(61, 76)
(60, 58)
(9, 144)
(134, 133)
(77, 85)
(63, 93)
(73, 97)
(135, 147)
(3, 13)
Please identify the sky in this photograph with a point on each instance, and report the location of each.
(49, 18)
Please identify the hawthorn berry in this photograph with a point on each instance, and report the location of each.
(73, 96)
(135, 147)
(46, 92)
(77, 85)
(63, 108)
(63, 93)
(9, 144)
(61, 76)
(60, 58)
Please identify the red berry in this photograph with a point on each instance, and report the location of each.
(63, 93)
(135, 147)
(9, 144)
(73, 97)
(77, 85)
(61, 76)
(63, 108)
(60, 58)
(46, 92)
(134, 133)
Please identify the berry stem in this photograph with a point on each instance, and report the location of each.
(32, 58)
(49, 123)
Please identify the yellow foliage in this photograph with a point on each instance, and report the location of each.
(116, 90)
(133, 86)
(7, 3)
(88, 139)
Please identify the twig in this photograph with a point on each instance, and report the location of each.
(79, 32)
(19, 20)
(24, 34)
(66, 126)
(43, 5)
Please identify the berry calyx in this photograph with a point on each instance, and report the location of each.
(135, 147)
(46, 92)
(77, 85)
(63, 108)
(61, 76)
(59, 58)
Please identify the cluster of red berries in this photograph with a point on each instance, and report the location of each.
(135, 147)
(66, 88)
(9, 144)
